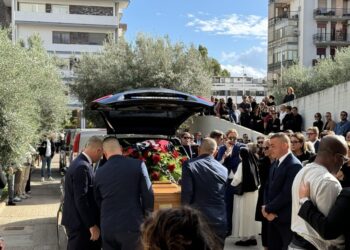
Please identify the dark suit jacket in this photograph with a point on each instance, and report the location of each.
(278, 198)
(79, 208)
(317, 144)
(336, 223)
(124, 194)
(203, 187)
(42, 148)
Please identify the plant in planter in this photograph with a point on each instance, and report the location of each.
(162, 159)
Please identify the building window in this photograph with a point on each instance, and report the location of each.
(60, 37)
(59, 9)
(91, 10)
(321, 52)
(260, 93)
(32, 7)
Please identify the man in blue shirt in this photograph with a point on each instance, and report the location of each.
(228, 155)
(343, 126)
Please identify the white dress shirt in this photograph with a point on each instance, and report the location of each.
(88, 157)
(324, 189)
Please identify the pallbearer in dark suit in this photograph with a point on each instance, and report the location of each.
(278, 196)
(124, 194)
(203, 186)
(80, 212)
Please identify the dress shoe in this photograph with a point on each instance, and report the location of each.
(11, 203)
(252, 242)
(243, 243)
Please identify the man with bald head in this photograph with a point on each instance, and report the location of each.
(324, 189)
(124, 193)
(80, 212)
(203, 186)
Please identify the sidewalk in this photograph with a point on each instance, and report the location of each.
(31, 224)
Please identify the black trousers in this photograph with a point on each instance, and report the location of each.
(27, 188)
(121, 240)
(229, 193)
(80, 240)
(279, 236)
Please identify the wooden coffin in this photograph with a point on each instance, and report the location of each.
(166, 195)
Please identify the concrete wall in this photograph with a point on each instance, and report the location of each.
(332, 100)
(206, 124)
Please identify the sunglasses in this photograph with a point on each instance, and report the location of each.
(265, 148)
(310, 133)
(344, 158)
(231, 138)
(187, 137)
(260, 142)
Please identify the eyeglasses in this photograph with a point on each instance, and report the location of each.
(260, 142)
(344, 158)
(310, 133)
(294, 142)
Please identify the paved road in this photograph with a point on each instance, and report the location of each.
(31, 224)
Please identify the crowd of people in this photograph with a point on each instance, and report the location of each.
(286, 186)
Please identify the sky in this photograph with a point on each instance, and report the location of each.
(233, 31)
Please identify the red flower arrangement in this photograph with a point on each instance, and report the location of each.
(163, 161)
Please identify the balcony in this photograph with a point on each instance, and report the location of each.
(337, 38)
(291, 15)
(277, 65)
(331, 14)
(66, 20)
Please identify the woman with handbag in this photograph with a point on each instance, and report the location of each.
(246, 183)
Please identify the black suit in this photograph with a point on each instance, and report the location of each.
(336, 223)
(124, 194)
(278, 200)
(80, 211)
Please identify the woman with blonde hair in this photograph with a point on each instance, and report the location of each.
(298, 147)
(290, 96)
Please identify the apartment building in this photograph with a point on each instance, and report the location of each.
(68, 28)
(304, 32)
(236, 87)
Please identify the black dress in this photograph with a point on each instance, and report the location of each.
(318, 124)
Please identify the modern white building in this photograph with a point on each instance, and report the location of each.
(305, 31)
(236, 87)
(67, 28)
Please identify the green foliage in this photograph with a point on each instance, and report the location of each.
(325, 74)
(30, 90)
(149, 62)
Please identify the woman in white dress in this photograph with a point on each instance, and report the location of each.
(246, 181)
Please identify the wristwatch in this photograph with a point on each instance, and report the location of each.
(302, 200)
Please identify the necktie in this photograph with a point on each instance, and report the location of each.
(274, 168)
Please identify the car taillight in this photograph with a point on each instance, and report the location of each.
(76, 143)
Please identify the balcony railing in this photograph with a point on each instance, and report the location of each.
(332, 12)
(277, 65)
(335, 37)
(290, 15)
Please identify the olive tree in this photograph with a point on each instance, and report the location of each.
(26, 76)
(148, 62)
(326, 73)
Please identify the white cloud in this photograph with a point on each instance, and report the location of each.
(237, 70)
(235, 25)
